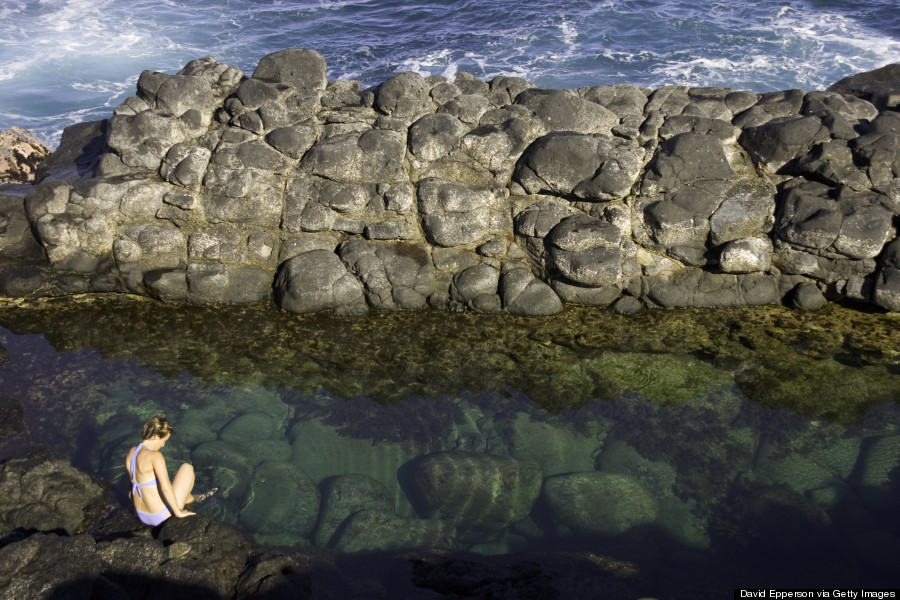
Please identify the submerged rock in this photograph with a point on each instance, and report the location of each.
(598, 503)
(480, 494)
(880, 463)
(281, 500)
(345, 495)
(374, 529)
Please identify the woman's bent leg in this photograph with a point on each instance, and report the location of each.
(183, 484)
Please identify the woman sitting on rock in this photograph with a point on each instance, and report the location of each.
(151, 490)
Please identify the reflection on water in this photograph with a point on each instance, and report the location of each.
(757, 437)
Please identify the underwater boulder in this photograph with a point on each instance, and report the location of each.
(323, 451)
(249, 427)
(819, 459)
(481, 494)
(345, 495)
(263, 450)
(880, 464)
(598, 503)
(556, 448)
(375, 529)
(225, 465)
(281, 499)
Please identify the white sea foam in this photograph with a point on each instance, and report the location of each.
(62, 60)
(428, 63)
(569, 34)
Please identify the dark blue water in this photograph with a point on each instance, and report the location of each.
(66, 61)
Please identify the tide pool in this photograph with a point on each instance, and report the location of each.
(753, 439)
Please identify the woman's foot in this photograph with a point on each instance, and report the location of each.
(201, 498)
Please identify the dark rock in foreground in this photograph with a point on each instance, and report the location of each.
(209, 186)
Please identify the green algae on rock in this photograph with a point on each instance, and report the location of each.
(776, 357)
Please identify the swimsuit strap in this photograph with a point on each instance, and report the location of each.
(135, 486)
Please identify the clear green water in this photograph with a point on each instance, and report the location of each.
(760, 438)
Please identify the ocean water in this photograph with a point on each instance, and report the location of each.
(67, 61)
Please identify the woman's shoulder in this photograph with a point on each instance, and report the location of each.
(144, 454)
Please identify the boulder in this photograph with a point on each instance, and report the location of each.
(597, 503)
(434, 136)
(769, 106)
(591, 252)
(590, 167)
(480, 494)
(877, 151)
(624, 100)
(323, 451)
(684, 186)
(524, 294)
(563, 111)
(297, 67)
(747, 210)
(251, 427)
(887, 284)
(374, 156)
(880, 86)
(556, 448)
(20, 154)
(281, 500)
(781, 140)
(536, 221)
(345, 495)
(477, 288)
(807, 296)
(47, 564)
(456, 214)
(226, 464)
(48, 496)
(372, 530)
(879, 460)
(834, 163)
(17, 242)
(396, 276)
(404, 95)
(748, 255)
(316, 281)
(204, 552)
(695, 287)
(813, 219)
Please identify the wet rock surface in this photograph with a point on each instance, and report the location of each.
(210, 186)
(48, 495)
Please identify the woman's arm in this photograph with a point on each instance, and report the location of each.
(165, 486)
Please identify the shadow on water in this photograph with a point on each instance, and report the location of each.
(761, 444)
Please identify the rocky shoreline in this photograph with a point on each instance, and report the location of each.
(209, 187)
